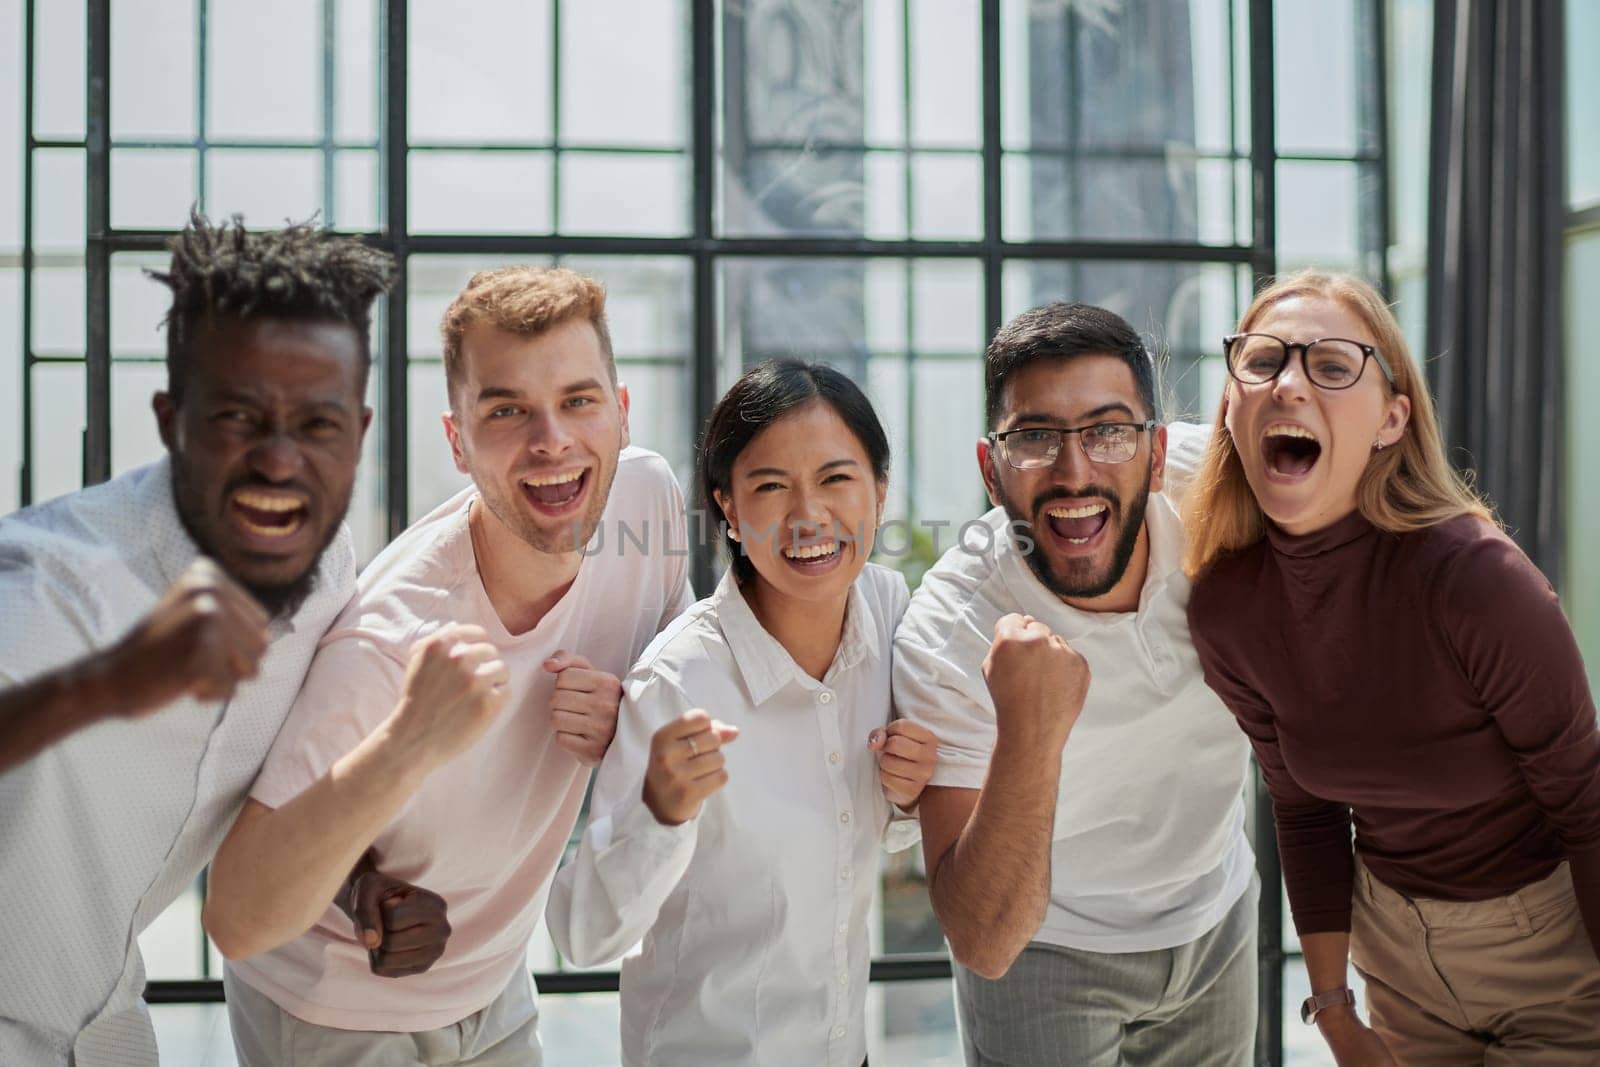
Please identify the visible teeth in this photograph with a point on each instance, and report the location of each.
(266, 501)
(1286, 429)
(292, 526)
(1082, 512)
(1077, 540)
(812, 551)
(555, 479)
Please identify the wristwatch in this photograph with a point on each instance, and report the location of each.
(1321, 1002)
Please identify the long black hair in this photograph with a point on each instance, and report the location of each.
(765, 394)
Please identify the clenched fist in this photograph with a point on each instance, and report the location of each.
(402, 925)
(583, 707)
(907, 752)
(1038, 683)
(204, 637)
(686, 766)
(454, 687)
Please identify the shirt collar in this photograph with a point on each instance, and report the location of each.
(1317, 542)
(764, 664)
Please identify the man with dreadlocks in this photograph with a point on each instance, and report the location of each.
(157, 627)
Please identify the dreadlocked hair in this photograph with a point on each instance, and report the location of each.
(225, 271)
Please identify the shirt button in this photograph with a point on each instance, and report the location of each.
(844, 979)
(838, 1032)
(844, 816)
(825, 698)
(844, 875)
(833, 757)
(844, 928)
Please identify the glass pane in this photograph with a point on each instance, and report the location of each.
(1410, 79)
(153, 58)
(135, 440)
(58, 309)
(432, 472)
(912, 1024)
(60, 62)
(12, 73)
(946, 90)
(355, 191)
(1583, 103)
(1058, 196)
(612, 193)
(478, 72)
(947, 196)
(10, 387)
(171, 945)
(153, 188)
(355, 78)
(650, 309)
(139, 303)
(479, 192)
(1110, 113)
(1324, 55)
(650, 42)
(268, 187)
(251, 45)
(58, 422)
(1581, 573)
(1182, 310)
(1329, 217)
(910, 330)
(58, 200)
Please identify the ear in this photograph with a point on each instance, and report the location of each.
(622, 402)
(1158, 458)
(988, 456)
(453, 434)
(883, 494)
(166, 419)
(1395, 419)
(725, 502)
(366, 422)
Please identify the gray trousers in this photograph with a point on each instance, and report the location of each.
(505, 1034)
(1190, 1006)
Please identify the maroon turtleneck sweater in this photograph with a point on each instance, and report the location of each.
(1424, 685)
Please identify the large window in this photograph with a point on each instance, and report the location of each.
(876, 183)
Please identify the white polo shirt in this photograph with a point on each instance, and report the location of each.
(100, 832)
(1149, 850)
(755, 914)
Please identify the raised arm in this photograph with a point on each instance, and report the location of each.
(279, 868)
(202, 639)
(988, 850)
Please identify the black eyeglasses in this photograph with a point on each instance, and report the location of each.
(1104, 442)
(1330, 362)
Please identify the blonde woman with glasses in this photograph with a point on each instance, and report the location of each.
(1401, 668)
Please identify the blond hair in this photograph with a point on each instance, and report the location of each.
(525, 301)
(1409, 486)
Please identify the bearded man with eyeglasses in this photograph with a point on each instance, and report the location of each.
(1084, 828)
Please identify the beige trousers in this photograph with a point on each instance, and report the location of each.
(1512, 980)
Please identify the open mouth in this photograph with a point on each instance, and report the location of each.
(268, 515)
(1080, 523)
(1289, 451)
(554, 494)
(812, 558)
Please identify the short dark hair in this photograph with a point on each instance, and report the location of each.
(1064, 331)
(225, 271)
(766, 393)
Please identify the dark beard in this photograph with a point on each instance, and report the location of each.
(1086, 588)
(280, 601)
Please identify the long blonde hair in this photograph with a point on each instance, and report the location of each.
(1409, 486)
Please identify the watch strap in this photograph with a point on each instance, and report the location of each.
(1317, 1003)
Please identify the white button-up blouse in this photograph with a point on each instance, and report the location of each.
(753, 914)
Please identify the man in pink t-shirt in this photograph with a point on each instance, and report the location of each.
(446, 730)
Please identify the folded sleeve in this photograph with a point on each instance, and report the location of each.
(931, 690)
(352, 687)
(1513, 642)
(607, 897)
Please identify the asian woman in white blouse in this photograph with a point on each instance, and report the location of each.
(756, 770)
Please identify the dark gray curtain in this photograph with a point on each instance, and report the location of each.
(1494, 256)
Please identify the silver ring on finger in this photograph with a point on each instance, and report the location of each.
(693, 750)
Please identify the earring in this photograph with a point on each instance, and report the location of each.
(733, 532)
(1377, 446)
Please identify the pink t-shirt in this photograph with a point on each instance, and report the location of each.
(487, 830)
